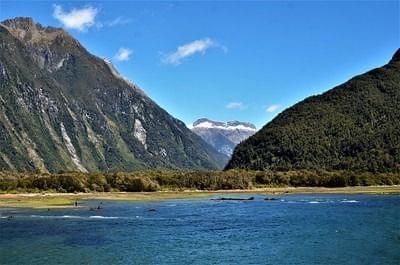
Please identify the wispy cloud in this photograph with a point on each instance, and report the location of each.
(189, 49)
(79, 19)
(123, 54)
(235, 105)
(272, 108)
(118, 21)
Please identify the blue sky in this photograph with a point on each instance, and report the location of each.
(228, 60)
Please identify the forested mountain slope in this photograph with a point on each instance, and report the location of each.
(354, 126)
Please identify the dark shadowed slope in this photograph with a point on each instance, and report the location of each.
(65, 109)
(353, 126)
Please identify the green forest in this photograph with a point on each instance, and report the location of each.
(187, 180)
(354, 126)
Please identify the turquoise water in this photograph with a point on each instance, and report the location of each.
(295, 229)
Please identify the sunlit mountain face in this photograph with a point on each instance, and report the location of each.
(63, 108)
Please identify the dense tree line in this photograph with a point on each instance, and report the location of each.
(182, 180)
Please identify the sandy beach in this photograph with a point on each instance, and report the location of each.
(61, 200)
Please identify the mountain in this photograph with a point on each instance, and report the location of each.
(354, 126)
(63, 108)
(223, 136)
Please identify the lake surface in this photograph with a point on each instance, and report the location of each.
(295, 229)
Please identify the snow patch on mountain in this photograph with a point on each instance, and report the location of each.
(224, 126)
(223, 136)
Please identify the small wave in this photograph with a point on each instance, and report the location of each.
(72, 217)
(349, 201)
(315, 202)
(103, 217)
(56, 216)
(39, 216)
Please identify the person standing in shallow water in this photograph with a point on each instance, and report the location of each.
(76, 203)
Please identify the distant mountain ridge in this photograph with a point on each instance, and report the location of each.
(223, 136)
(354, 126)
(62, 108)
(230, 125)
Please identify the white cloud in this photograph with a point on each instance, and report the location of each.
(235, 105)
(123, 54)
(272, 108)
(79, 19)
(189, 49)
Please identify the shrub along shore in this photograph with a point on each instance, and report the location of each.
(147, 181)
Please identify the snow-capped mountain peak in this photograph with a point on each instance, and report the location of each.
(223, 136)
(230, 125)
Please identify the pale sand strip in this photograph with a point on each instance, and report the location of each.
(56, 200)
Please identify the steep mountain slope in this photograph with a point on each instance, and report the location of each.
(65, 109)
(354, 126)
(223, 136)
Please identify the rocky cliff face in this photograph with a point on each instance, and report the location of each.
(65, 109)
(355, 126)
(223, 136)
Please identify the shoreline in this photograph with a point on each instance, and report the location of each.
(66, 200)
